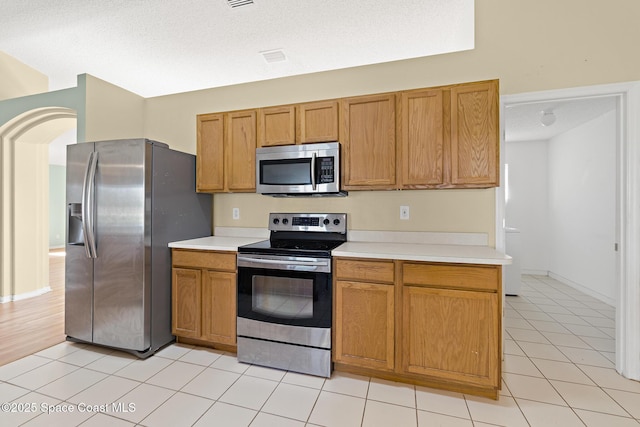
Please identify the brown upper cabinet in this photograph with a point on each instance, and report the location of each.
(317, 122)
(226, 148)
(475, 137)
(298, 124)
(210, 152)
(440, 137)
(448, 137)
(421, 139)
(368, 137)
(276, 126)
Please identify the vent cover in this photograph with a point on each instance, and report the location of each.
(238, 3)
(275, 55)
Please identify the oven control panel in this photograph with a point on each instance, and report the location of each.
(327, 222)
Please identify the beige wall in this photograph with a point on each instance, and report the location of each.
(18, 79)
(442, 210)
(529, 46)
(31, 272)
(112, 112)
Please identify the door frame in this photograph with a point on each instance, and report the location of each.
(627, 209)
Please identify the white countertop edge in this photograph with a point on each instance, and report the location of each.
(230, 238)
(424, 258)
(467, 254)
(215, 243)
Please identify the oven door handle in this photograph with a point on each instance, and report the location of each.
(282, 262)
(276, 264)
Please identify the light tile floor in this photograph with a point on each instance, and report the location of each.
(558, 371)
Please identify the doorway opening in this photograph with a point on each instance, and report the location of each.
(32, 309)
(624, 247)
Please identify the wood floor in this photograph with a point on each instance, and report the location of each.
(33, 324)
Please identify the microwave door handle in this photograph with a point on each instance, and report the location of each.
(313, 171)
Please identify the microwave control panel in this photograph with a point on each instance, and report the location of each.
(326, 170)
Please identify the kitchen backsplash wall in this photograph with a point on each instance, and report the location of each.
(441, 210)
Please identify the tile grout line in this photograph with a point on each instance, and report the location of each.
(578, 366)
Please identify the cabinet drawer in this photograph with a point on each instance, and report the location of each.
(483, 278)
(370, 271)
(204, 259)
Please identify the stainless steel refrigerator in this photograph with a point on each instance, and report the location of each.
(126, 200)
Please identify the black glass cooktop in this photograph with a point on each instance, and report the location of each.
(292, 247)
(301, 234)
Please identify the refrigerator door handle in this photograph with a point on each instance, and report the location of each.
(84, 206)
(88, 214)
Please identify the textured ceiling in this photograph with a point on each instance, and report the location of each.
(159, 47)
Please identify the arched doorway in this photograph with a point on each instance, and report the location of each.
(24, 178)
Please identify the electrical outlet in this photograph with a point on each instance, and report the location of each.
(404, 212)
(236, 213)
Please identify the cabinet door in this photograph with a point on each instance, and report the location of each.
(219, 307)
(186, 302)
(240, 148)
(317, 122)
(369, 142)
(451, 335)
(475, 140)
(364, 331)
(276, 126)
(421, 139)
(210, 153)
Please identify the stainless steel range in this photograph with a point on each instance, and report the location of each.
(284, 293)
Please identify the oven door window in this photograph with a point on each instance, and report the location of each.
(285, 297)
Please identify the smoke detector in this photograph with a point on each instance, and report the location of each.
(275, 55)
(238, 3)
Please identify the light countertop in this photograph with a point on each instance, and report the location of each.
(215, 243)
(465, 254)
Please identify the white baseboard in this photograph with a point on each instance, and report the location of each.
(581, 288)
(26, 295)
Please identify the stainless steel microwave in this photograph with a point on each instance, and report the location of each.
(299, 170)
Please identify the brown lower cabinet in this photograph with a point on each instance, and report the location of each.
(434, 324)
(365, 313)
(204, 297)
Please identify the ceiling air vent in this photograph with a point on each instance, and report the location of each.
(239, 3)
(275, 55)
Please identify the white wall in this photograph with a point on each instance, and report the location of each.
(527, 204)
(562, 197)
(582, 200)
